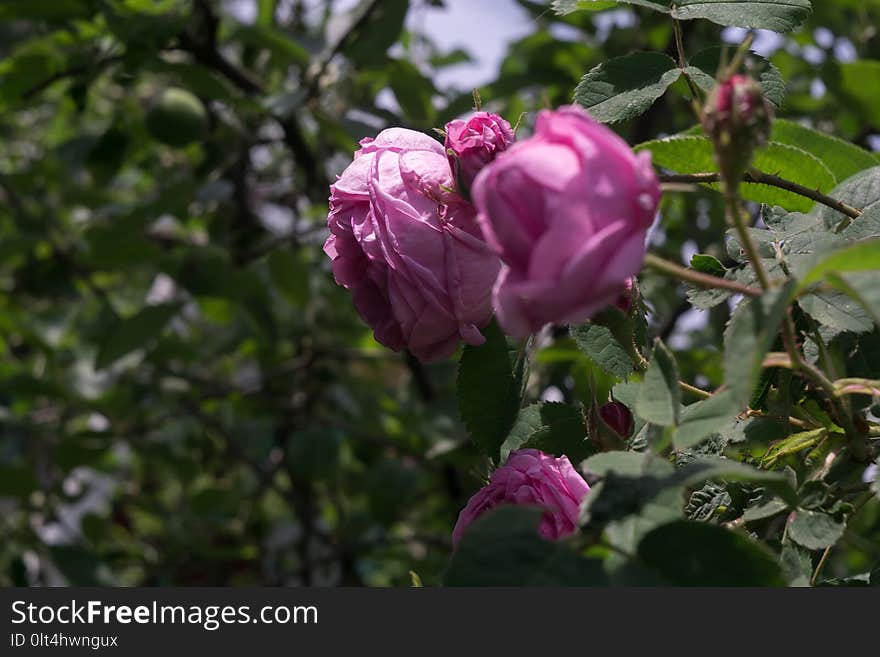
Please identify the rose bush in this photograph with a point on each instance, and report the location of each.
(568, 211)
(531, 477)
(408, 248)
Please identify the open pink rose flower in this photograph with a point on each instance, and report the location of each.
(473, 143)
(409, 248)
(534, 478)
(568, 211)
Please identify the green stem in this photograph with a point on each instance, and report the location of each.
(738, 220)
(697, 278)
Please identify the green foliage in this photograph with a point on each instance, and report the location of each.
(624, 87)
(502, 548)
(551, 427)
(490, 382)
(715, 557)
(659, 400)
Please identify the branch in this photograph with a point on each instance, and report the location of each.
(761, 178)
(697, 278)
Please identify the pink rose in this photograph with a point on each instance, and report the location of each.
(568, 210)
(531, 477)
(409, 248)
(472, 144)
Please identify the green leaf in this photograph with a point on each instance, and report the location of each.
(777, 15)
(632, 464)
(700, 470)
(705, 65)
(134, 332)
(503, 548)
(842, 158)
(378, 28)
(659, 399)
(814, 530)
(866, 226)
(860, 191)
(699, 554)
(862, 289)
(490, 381)
(860, 83)
(702, 419)
(553, 428)
(749, 336)
(862, 256)
(565, 7)
(797, 442)
(839, 310)
(624, 87)
(290, 274)
(603, 348)
(412, 90)
(707, 264)
(694, 154)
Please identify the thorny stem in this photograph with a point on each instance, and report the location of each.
(697, 278)
(761, 178)
(682, 64)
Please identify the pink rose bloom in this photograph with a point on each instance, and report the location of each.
(409, 249)
(472, 144)
(568, 210)
(534, 478)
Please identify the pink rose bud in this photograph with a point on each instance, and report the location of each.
(618, 418)
(737, 117)
(409, 249)
(472, 144)
(568, 210)
(531, 477)
(627, 298)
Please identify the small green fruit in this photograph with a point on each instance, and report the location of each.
(177, 118)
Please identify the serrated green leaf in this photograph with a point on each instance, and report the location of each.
(490, 379)
(706, 469)
(814, 530)
(694, 154)
(600, 345)
(659, 398)
(503, 548)
(702, 419)
(776, 15)
(859, 191)
(707, 264)
(839, 310)
(135, 332)
(714, 556)
(842, 158)
(553, 428)
(866, 226)
(624, 87)
(861, 288)
(749, 336)
(704, 66)
(862, 256)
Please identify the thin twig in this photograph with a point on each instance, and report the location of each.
(698, 278)
(759, 177)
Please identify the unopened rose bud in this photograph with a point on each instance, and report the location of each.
(472, 144)
(737, 117)
(618, 418)
(628, 297)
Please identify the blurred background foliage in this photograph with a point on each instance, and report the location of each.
(186, 397)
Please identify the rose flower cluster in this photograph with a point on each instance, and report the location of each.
(433, 239)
